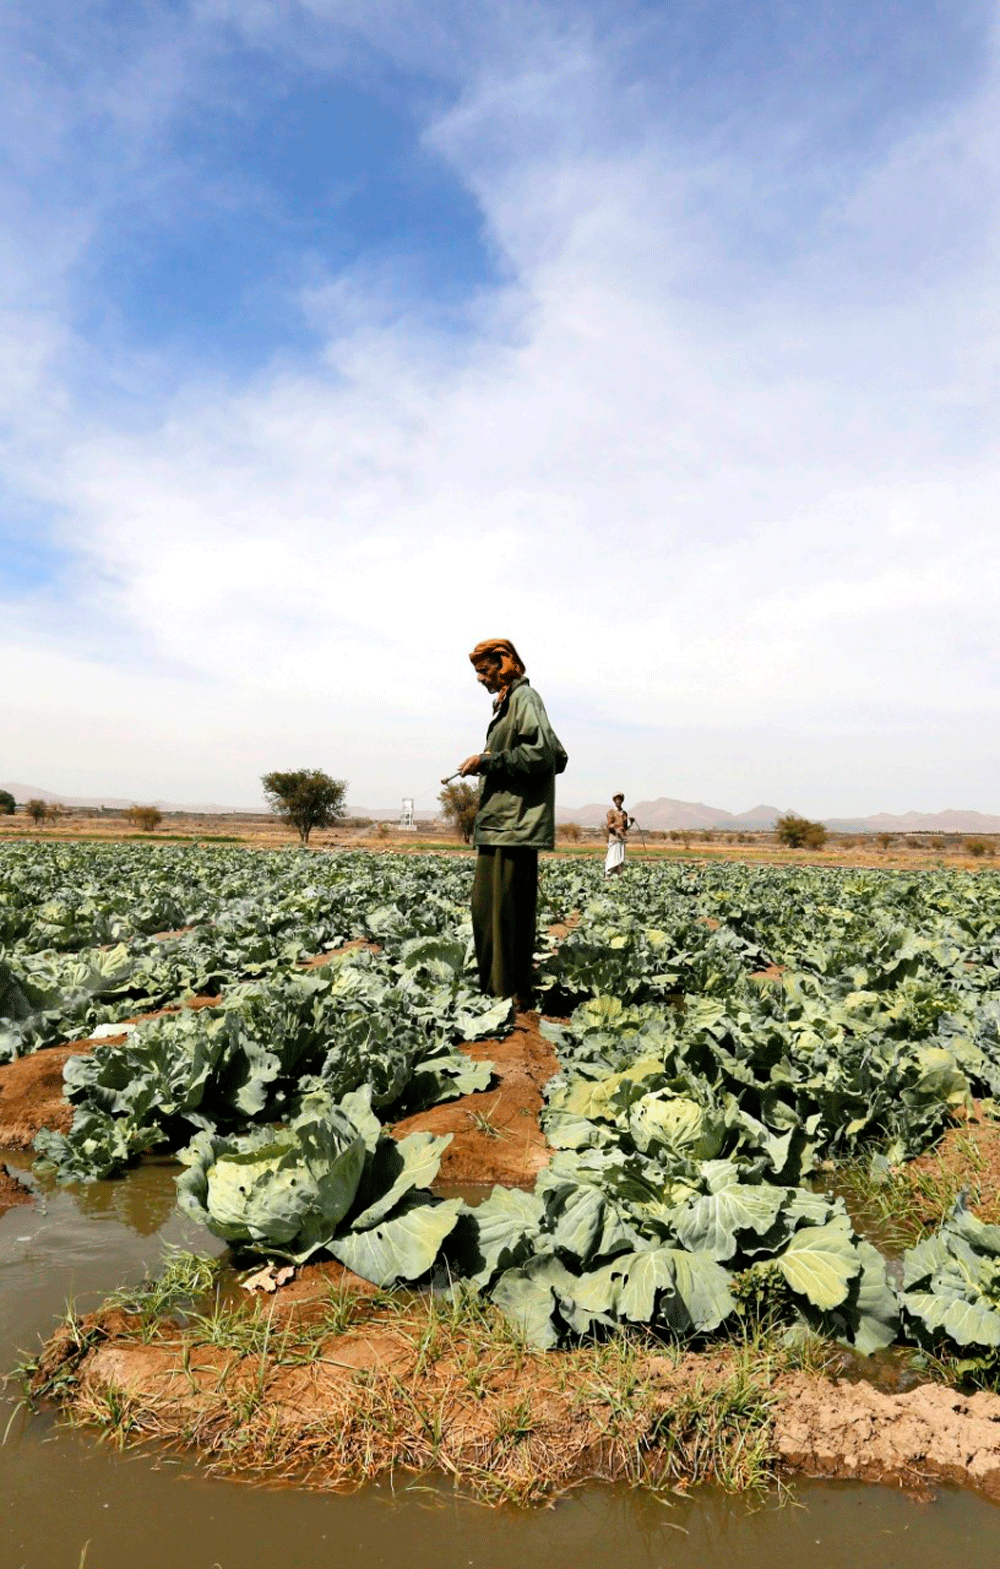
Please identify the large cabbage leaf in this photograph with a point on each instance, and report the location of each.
(951, 1283)
(330, 1180)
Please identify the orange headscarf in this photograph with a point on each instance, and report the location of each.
(501, 652)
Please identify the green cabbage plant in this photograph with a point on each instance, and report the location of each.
(329, 1180)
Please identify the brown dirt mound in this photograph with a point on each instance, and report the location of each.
(318, 960)
(12, 1191)
(408, 1385)
(773, 972)
(313, 1285)
(31, 1096)
(496, 1133)
(930, 1434)
(347, 1385)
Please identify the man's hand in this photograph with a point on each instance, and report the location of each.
(471, 765)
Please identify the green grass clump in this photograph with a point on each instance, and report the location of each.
(895, 1206)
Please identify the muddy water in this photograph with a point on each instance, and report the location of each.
(63, 1495)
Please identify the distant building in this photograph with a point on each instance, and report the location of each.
(407, 819)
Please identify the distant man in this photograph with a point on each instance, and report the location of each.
(618, 825)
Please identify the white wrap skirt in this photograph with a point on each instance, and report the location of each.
(615, 856)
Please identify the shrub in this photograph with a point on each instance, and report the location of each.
(799, 832)
(305, 798)
(8, 806)
(884, 840)
(571, 831)
(148, 818)
(459, 804)
(36, 809)
(978, 847)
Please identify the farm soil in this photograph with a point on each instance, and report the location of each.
(496, 1134)
(403, 1386)
(320, 960)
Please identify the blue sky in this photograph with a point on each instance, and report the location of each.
(661, 338)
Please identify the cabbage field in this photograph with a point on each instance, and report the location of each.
(724, 1034)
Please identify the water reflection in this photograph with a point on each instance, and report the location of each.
(142, 1200)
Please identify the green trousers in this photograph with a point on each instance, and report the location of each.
(13, 1003)
(504, 899)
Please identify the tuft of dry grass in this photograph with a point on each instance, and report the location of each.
(403, 1383)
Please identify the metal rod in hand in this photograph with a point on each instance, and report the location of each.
(642, 834)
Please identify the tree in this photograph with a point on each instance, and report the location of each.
(799, 832)
(36, 809)
(148, 818)
(460, 803)
(8, 806)
(306, 798)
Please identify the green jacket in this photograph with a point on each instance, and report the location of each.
(517, 801)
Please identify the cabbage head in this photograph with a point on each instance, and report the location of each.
(329, 1180)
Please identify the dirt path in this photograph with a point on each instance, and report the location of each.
(496, 1133)
(928, 1435)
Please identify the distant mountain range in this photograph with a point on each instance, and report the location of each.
(664, 813)
(948, 822)
(23, 792)
(667, 814)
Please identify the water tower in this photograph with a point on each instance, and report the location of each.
(407, 819)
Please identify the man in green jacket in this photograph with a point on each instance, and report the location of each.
(516, 819)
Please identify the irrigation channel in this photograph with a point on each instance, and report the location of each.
(67, 1499)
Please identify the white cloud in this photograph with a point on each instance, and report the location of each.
(741, 513)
